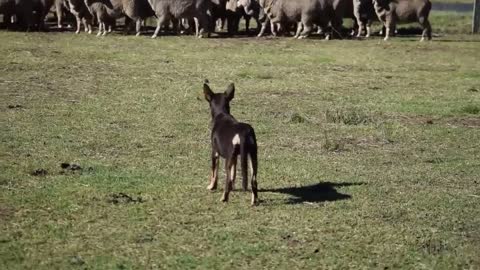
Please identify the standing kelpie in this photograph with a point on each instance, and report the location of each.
(231, 138)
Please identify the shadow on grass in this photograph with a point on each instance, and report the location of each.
(321, 192)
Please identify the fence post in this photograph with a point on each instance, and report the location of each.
(476, 16)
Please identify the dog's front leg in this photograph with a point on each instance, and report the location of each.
(230, 168)
(214, 177)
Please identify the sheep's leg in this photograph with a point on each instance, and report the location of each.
(90, 26)
(58, 11)
(85, 25)
(307, 28)
(263, 28)
(369, 28)
(138, 27)
(105, 30)
(328, 34)
(197, 27)
(337, 23)
(100, 28)
(128, 25)
(204, 26)
(299, 29)
(180, 26)
(259, 25)
(273, 27)
(427, 29)
(387, 33)
(111, 26)
(389, 26)
(220, 24)
(79, 23)
(160, 21)
(360, 28)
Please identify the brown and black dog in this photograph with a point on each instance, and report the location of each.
(231, 138)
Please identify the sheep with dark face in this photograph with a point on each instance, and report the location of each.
(253, 9)
(41, 9)
(365, 15)
(391, 12)
(218, 13)
(166, 10)
(82, 15)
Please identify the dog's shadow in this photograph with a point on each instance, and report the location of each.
(316, 193)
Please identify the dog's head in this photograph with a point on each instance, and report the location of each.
(219, 102)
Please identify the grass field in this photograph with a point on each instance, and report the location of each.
(453, 1)
(369, 153)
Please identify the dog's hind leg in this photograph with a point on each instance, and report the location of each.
(254, 167)
(233, 173)
(244, 165)
(214, 177)
(230, 168)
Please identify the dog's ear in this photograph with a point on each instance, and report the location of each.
(207, 92)
(230, 93)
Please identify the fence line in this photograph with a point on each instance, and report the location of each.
(476, 17)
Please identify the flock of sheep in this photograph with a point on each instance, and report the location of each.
(203, 16)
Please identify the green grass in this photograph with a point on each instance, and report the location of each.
(453, 1)
(451, 22)
(443, 23)
(368, 153)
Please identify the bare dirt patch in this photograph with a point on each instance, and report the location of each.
(470, 122)
(6, 213)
